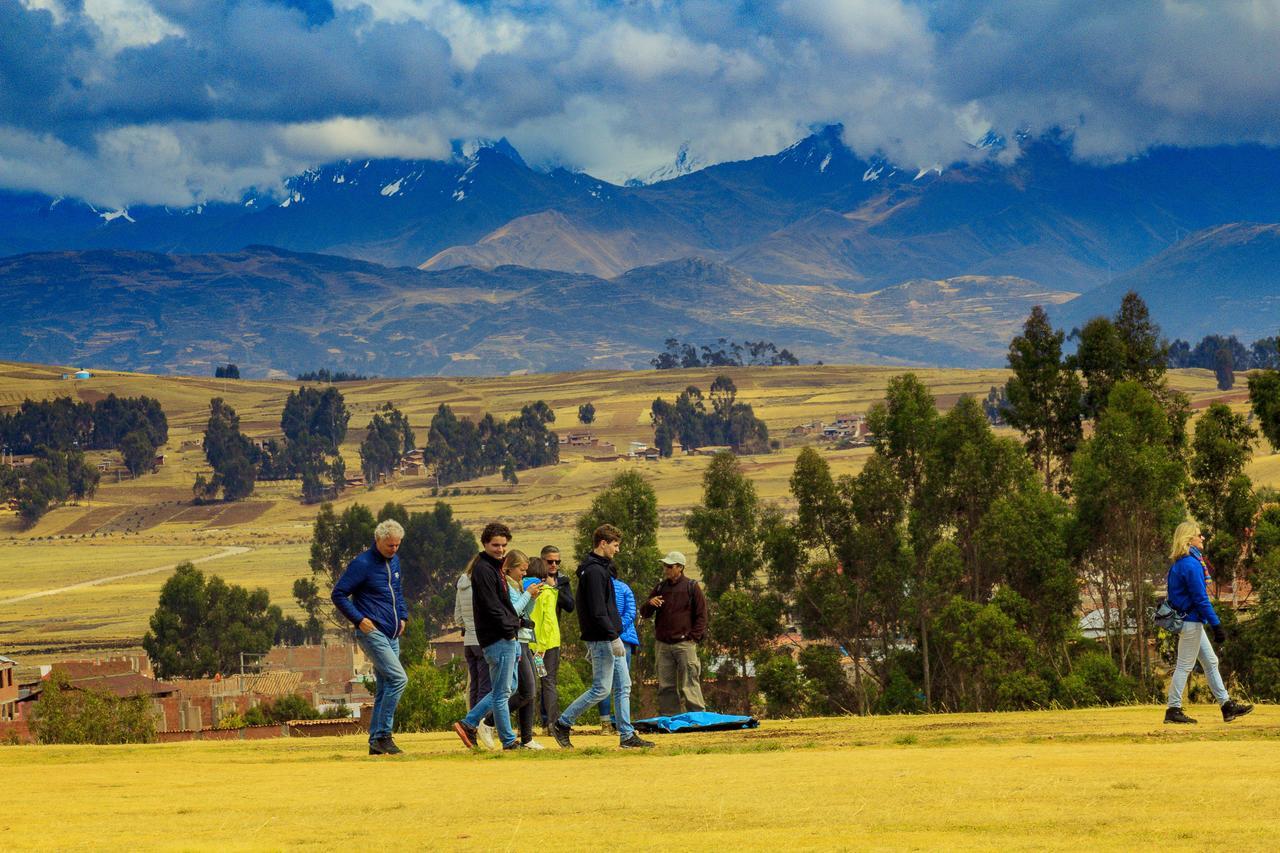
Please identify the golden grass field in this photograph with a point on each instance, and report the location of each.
(1097, 779)
(133, 526)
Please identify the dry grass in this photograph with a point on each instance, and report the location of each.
(1098, 779)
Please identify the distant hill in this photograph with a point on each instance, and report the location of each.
(1223, 280)
(274, 312)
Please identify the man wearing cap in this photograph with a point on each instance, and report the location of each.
(680, 620)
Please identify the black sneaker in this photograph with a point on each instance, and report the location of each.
(1231, 709)
(466, 734)
(561, 734)
(1175, 715)
(389, 747)
(636, 742)
(375, 747)
(513, 745)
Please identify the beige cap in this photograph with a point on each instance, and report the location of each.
(674, 558)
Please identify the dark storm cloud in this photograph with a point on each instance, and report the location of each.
(178, 100)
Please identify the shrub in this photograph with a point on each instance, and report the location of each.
(830, 690)
(900, 695)
(1019, 691)
(434, 697)
(779, 679)
(69, 715)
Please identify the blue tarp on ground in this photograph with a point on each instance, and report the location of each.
(695, 721)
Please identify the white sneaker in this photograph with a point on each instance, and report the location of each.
(533, 744)
(484, 732)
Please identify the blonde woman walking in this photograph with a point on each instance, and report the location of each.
(1189, 595)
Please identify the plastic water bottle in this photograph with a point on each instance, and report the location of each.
(539, 668)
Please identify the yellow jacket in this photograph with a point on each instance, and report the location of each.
(546, 622)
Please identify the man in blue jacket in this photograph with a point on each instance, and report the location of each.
(368, 593)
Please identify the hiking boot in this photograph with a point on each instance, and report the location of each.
(484, 732)
(515, 744)
(466, 734)
(607, 727)
(561, 733)
(1231, 709)
(375, 747)
(388, 746)
(636, 742)
(1175, 715)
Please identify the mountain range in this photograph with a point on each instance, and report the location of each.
(806, 245)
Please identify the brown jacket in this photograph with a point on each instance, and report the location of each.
(683, 614)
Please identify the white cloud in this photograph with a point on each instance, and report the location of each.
(128, 23)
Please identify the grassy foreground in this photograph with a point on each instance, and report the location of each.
(1097, 779)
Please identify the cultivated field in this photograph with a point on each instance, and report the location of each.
(85, 576)
(1098, 779)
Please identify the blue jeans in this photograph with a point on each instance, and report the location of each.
(605, 705)
(608, 674)
(384, 653)
(1193, 642)
(501, 657)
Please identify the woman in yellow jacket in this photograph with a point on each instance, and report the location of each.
(556, 598)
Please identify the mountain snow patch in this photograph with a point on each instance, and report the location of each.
(873, 172)
(122, 213)
(392, 188)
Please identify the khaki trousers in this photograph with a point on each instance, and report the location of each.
(679, 678)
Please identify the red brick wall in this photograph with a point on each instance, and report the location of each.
(16, 729)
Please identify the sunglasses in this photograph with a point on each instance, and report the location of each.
(552, 562)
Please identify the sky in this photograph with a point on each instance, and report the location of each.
(184, 101)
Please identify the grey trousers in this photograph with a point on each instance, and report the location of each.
(679, 678)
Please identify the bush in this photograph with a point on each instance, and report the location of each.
(235, 721)
(69, 715)
(779, 679)
(434, 697)
(900, 695)
(1020, 691)
(1100, 681)
(829, 687)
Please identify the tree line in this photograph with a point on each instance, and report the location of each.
(58, 432)
(950, 568)
(314, 424)
(722, 353)
(1263, 354)
(459, 449)
(326, 375)
(65, 424)
(729, 423)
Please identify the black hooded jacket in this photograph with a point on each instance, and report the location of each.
(597, 608)
(495, 617)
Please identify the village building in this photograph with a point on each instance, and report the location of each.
(8, 690)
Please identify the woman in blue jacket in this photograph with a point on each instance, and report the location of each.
(1189, 595)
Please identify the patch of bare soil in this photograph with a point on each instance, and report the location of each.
(91, 521)
(197, 514)
(240, 513)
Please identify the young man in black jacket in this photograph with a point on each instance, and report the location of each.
(496, 626)
(601, 626)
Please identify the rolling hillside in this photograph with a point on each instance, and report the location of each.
(278, 313)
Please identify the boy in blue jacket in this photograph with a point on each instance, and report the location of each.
(368, 593)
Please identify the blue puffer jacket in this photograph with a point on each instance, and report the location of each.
(370, 587)
(1188, 593)
(626, 601)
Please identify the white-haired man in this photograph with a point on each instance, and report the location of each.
(368, 593)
